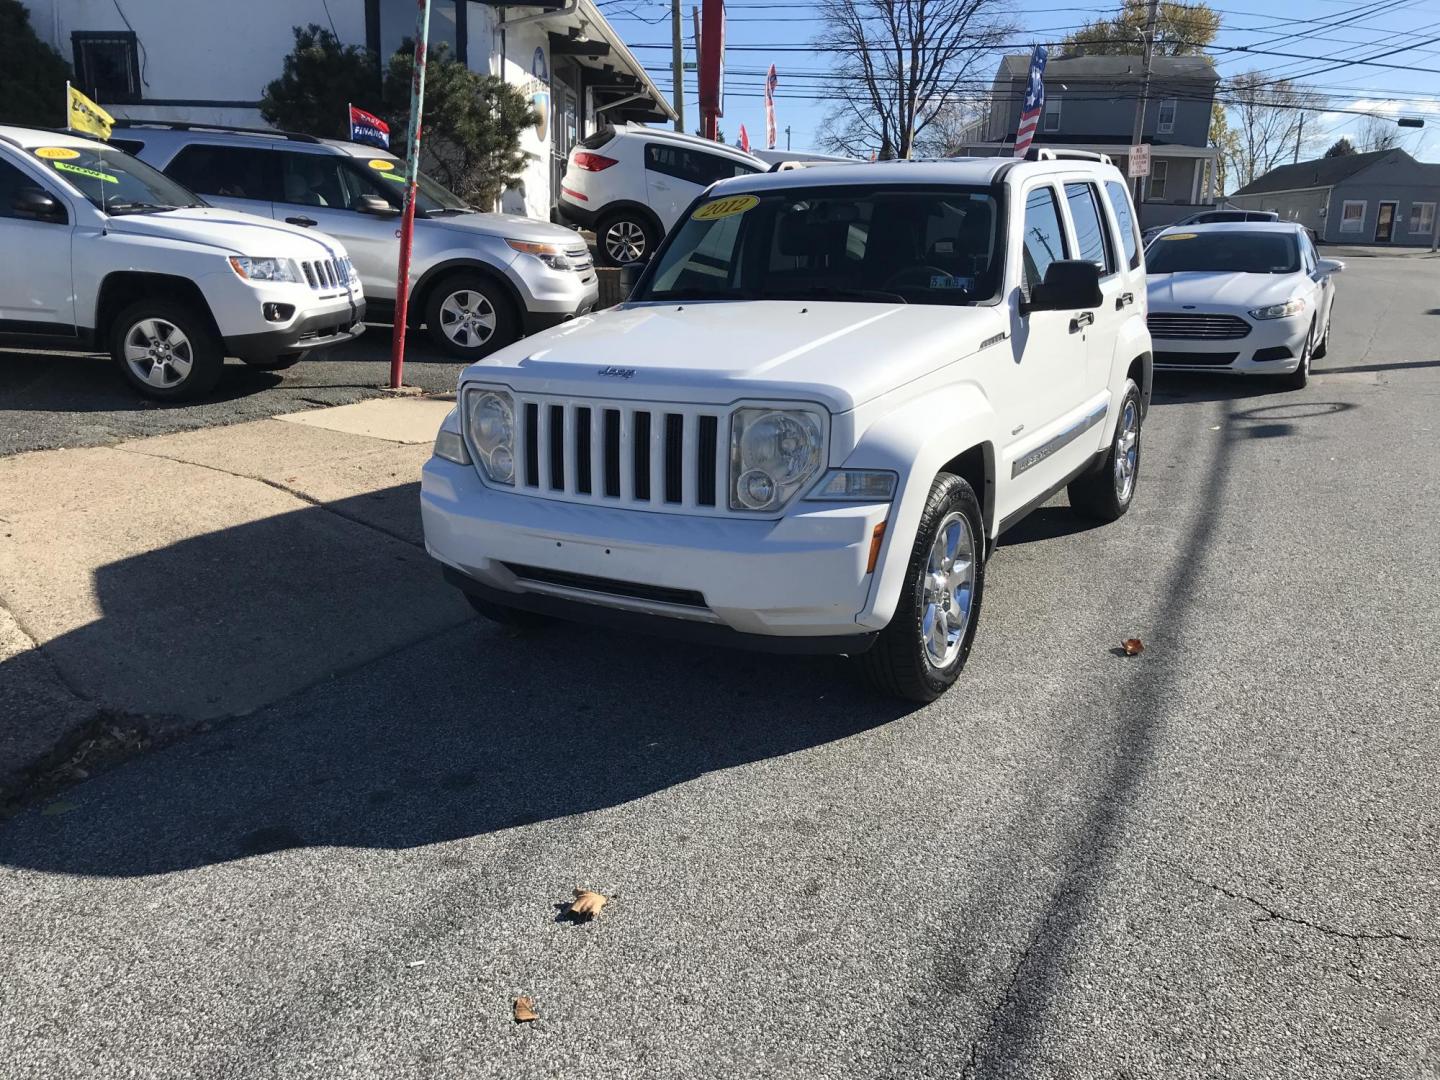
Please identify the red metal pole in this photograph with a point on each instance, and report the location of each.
(412, 171)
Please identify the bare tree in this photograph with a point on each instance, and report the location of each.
(958, 123)
(1377, 133)
(900, 64)
(1272, 120)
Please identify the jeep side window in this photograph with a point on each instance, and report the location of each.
(1044, 236)
(232, 172)
(1091, 234)
(1125, 218)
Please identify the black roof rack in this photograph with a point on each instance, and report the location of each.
(172, 125)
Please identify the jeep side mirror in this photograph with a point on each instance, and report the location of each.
(1069, 284)
(630, 275)
(38, 205)
(374, 204)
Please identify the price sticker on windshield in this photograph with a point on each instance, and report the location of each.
(1180, 236)
(381, 165)
(93, 174)
(56, 153)
(723, 208)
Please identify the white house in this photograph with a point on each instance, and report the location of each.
(205, 61)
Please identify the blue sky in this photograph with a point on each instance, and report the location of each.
(1410, 86)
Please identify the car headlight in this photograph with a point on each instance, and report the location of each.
(449, 443)
(257, 268)
(773, 453)
(490, 424)
(854, 485)
(1294, 306)
(552, 255)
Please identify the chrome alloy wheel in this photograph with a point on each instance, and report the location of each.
(949, 589)
(625, 242)
(467, 318)
(159, 353)
(1127, 450)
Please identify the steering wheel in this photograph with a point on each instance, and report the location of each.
(924, 273)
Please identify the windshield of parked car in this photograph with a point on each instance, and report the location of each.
(902, 244)
(431, 197)
(1231, 251)
(114, 181)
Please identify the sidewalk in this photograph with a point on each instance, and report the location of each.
(162, 583)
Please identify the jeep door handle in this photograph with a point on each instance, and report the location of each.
(1123, 299)
(305, 221)
(1084, 318)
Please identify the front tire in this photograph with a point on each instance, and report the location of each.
(1106, 494)
(1300, 377)
(623, 238)
(166, 349)
(469, 316)
(923, 650)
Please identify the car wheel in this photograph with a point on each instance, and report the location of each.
(624, 238)
(1300, 377)
(1106, 493)
(470, 316)
(514, 618)
(166, 349)
(1324, 346)
(278, 363)
(921, 653)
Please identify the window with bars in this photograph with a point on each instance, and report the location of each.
(107, 66)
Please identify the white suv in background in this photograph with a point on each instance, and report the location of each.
(478, 280)
(97, 248)
(628, 185)
(831, 390)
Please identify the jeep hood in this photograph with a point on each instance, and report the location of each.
(507, 227)
(837, 354)
(229, 232)
(1208, 291)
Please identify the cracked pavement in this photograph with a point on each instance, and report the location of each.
(1220, 858)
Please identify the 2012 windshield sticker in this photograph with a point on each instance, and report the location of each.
(56, 153)
(92, 173)
(722, 208)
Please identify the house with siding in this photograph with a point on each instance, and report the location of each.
(1381, 197)
(207, 62)
(1090, 104)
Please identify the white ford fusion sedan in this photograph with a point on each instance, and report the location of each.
(1246, 297)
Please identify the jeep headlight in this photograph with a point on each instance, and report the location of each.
(773, 453)
(552, 255)
(490, 425)
(1294, 306)
(257, 268)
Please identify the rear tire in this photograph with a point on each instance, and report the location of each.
(278, 363)
(1106, 494)
(922, 652)
(624, 238)
(167, 349)
(470, 316)
(514, 618)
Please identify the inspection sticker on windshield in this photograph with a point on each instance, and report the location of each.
(950, 281)
(721, 208)
(56, 153)
(88, 172)
(382, 165)
(1180, 236)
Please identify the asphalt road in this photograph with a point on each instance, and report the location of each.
(1218, 859)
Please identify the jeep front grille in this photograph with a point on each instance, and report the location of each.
(1196, 326)
(645, 456)
(325, 274)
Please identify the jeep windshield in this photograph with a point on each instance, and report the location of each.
(887, 245)
(114, 181)
(1232, 251)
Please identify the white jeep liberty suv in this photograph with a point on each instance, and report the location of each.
(828, 394)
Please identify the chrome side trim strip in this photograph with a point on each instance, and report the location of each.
(1050, 446)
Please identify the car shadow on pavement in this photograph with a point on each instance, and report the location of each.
(1185, 388)
(90, 382)
(386, 716)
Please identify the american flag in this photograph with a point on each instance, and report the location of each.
(1034, 104)
(771, 81)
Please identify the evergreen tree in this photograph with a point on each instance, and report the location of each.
(32, 74)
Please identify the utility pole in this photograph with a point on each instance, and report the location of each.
(677, 65)
(695, 18)
(787, 136)
(1299, 134)
(1151, 14)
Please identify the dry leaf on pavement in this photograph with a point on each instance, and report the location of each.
(525, 1010)
(587, 904)
(1133, 646)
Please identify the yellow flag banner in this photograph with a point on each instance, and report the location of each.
(85, 115)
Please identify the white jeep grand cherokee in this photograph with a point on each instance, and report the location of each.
(827, 396)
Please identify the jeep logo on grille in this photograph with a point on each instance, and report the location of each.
(617, 372)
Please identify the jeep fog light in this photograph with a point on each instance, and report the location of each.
(490, 424)
(773, 453)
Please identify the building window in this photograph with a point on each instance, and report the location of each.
(1352, 216)
(1159, 173)
(1422, 218)
(107, 66)
(1051, 121)
(1166, 123)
